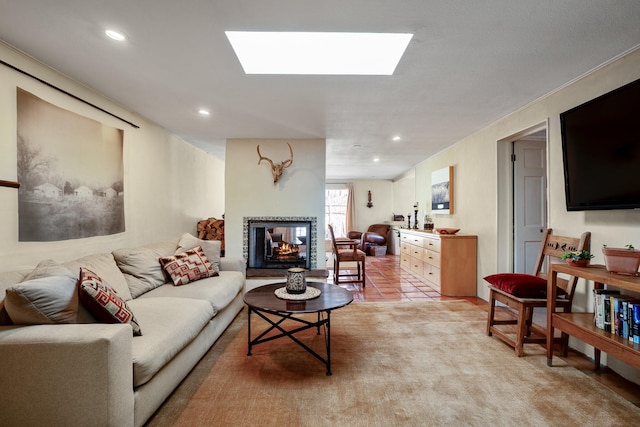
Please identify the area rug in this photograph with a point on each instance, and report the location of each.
(408, 363)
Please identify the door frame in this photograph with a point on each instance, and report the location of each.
(505, 215)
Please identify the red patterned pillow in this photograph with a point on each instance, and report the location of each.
(521, 285)
(188, 266)
(103, 301)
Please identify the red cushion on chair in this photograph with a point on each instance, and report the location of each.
(521, 285)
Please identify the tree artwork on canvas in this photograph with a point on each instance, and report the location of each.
(71, 173)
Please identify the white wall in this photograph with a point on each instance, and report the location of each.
(169, 184)
(381, 197)
(250, 190)
(476, 181)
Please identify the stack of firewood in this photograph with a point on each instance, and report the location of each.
(212, 229)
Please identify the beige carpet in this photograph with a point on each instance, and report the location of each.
(409, 364)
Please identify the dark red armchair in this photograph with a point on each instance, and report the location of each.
(376, 235)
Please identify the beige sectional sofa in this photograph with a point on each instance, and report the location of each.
(97, 374)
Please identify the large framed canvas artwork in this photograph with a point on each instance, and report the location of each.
(70, 170)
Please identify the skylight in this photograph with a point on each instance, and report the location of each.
(318, 53)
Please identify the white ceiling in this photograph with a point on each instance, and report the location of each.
(469, 63)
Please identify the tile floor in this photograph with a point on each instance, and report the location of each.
(386, 281)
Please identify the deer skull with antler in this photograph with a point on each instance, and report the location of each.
(276, 170)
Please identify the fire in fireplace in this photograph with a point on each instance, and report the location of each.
(286, 251)
(278, 244)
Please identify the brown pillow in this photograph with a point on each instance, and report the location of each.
(103, 301)
(188, 266)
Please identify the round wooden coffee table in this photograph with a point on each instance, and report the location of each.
(262, 301)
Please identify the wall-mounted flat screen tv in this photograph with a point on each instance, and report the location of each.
(601, 151)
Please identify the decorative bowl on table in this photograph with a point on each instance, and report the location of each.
(447, 230)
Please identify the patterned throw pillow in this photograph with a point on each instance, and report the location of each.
(103, 301)
(188, 266)
(211, 248)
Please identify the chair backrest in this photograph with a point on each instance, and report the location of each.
(334, 245)
(345, 243)
(333, 239)
(551, 250)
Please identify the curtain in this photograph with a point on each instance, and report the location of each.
(350, 216)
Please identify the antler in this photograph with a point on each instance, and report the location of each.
(264, 158)
(288, 162)
(276, 170)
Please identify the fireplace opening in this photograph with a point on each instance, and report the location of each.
(278, 244)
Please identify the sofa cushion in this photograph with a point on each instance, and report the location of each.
(103, 301)
(104, 266)
(143, 264)
(46, 300)
(188, 266)
(12, 278)
(219, 291)
(48, 268)
(211, 248)
(169, 325)
(45, 268)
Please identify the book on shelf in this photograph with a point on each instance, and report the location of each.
(599, 295)
(621, 315)
(635, 326)
(618, 314)
(606, 309)
(623, 307)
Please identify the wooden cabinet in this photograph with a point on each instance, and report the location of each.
(581, 325)
(446, 263)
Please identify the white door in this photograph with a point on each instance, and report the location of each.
(530, 201)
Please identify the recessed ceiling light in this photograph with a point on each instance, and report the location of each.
(376, 159)
(204, 112)
(316, 53)
(115, 35)
(396, 138)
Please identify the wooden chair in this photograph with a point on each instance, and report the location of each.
(346, 250)
(524, 292)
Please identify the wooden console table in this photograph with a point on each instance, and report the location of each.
(582, 325)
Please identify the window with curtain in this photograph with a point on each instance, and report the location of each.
(335, 212)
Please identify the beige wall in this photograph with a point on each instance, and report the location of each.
(404, 193)
(250, 190)
(477, 180)
(169, 184)
(381, 197)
